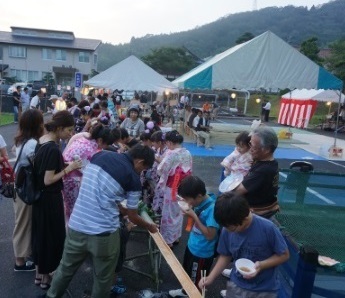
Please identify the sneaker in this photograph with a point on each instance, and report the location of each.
(226, 273)
(177, 293)
(223, 293)
(209, 148)
(118, 289)
(26, 267)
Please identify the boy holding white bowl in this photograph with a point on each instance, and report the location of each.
(246, 235)
(199, 253)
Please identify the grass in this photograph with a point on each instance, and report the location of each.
(6, 118)
(253, 108)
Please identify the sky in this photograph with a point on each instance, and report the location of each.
(117, 21)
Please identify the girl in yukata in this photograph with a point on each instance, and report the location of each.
(82, 147)
(174, 166)
(159, 145)
(240, 160)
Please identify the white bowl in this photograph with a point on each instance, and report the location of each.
(230, 183)
(183, 205)
(245, 266)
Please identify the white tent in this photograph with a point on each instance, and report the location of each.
(319, 95)
(298, 106)
(131, 74)
(266, 62)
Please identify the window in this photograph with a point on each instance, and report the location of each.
(32, 75)
(47, 54)
(18, 52)
(84, 57)
(19, 74)
(22, 75)
(60, 55)
(1, 53)
(95, 60)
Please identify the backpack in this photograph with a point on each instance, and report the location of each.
(25, 181)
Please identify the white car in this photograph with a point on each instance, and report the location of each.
(14, 87)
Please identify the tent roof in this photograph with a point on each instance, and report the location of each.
(131, 74)
(319, 95)
(265, 61)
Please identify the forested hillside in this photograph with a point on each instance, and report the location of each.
(293, 24)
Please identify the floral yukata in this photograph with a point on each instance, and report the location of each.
(85, 149)
(176, 165)
(152, 193)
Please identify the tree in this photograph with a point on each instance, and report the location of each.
(170, 61)
(49, 78)
(336, 62)
(244, 37)
(310, 49)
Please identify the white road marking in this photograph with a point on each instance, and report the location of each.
(315, 193)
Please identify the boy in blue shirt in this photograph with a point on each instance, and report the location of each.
(199, 253)
(246, 235)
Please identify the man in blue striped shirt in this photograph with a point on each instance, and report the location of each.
(94, 224)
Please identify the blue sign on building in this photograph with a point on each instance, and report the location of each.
(78, 80)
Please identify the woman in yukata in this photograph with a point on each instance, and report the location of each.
(175, 165)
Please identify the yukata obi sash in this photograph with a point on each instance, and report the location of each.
(174, 181)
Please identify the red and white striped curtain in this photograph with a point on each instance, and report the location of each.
(296, 113)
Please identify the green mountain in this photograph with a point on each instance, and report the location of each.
(293, 24)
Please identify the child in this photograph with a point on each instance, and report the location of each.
(199, 253)
(240, 160)
(158, 144)
(246, 235)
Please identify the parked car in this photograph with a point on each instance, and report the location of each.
(13, 87)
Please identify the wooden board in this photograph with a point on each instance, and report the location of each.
(176, 266)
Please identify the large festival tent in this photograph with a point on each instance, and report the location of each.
(298, 106)
(265, 61)
(131, 74)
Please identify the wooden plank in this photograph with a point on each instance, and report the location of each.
(176, 267)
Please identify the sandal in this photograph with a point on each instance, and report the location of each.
(45, 282)
(45, 286)
(38, 281)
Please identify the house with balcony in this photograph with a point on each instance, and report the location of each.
(29, 54)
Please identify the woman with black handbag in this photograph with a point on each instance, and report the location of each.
(30, 130)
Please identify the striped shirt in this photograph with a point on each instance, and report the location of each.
(108, 179)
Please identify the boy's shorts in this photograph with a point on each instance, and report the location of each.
(193, 265)
(233, 291)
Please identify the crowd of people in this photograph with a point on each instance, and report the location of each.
(93, 168)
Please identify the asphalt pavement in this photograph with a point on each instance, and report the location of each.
(21, 284)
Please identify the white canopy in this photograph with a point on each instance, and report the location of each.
(319, 95)
(266, 61)
(131, 74)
